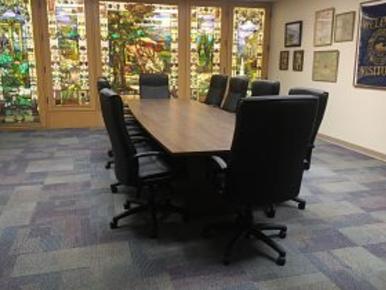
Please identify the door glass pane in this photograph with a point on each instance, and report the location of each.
(68, 47)
(204, 48)
(138, 38)
(248, 40)
(18, 83)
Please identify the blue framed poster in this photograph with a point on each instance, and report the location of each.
(370, 69)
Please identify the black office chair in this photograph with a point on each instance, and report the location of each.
(265, 88)
(142, 170)
(266, 163)
(238, 88)
(131, 125)
(323, 99)
(154, 86)
(217, 89)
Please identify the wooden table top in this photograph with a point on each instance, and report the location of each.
(185, 127)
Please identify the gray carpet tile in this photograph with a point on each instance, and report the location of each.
(55, 208)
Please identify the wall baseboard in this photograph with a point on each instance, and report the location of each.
(365, 151)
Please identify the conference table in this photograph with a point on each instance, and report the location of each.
(190, 132)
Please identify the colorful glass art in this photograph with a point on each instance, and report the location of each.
(138, 38)
(18, 82)
(204, 48)
(68, 47)
(248, 42)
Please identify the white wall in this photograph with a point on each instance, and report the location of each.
(353, 115)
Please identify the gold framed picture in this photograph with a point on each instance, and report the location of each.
(325, 66)
(284, 60)
(323, 27)
(344, 26)
(298, 60)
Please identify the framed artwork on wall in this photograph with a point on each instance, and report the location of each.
(293, 34)
(284, 60)
(323, 28)
(344, 27)
(325, 66)
(298, 60)
(370, 68)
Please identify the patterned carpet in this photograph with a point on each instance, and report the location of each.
(55, 207)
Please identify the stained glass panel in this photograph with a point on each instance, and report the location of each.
(138, 38)
(68, 46)
(204, 48)
(248, 42)
(18, 82)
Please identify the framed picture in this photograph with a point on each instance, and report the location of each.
(284, 60)
(370, 68)
(325, 66)
(324, 24)
(298, 60)
(344, 27)
(293, 34)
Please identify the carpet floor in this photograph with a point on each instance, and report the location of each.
(55, 208)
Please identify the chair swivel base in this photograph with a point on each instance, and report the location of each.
(270, 211)
(153, 208)
(248, 230)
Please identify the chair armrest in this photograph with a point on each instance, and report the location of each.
(138, 139)
(148, 154)
(222, 165)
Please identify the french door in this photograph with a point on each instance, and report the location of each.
(53, 51)
(206, 47)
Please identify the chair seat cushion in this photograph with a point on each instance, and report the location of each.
(153, 167)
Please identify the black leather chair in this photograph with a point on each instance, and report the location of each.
(265, 164)
(131, 125)
(265, 88)
(154, 86)
(323, 99)
(238, 88)
(147, 169)
(217, 89)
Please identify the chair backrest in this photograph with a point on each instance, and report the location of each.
(269, 144)
(217, 89)
(103, 83)
(125, 166)
(323, 99)
(238, 88)
(154, 86)
(265, 88)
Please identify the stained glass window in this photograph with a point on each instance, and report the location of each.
(204, 48)
(18, 82)
(68, 47)
(248, 42)
(138, 38)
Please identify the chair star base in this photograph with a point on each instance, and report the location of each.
(244, 227)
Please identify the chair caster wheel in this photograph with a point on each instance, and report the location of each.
(280, 261)
(113, 225)
(270, 213)
(127, 205)
(113, 188)
(302, 205)
(283, 234)
(110, 153)
(108, 166)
